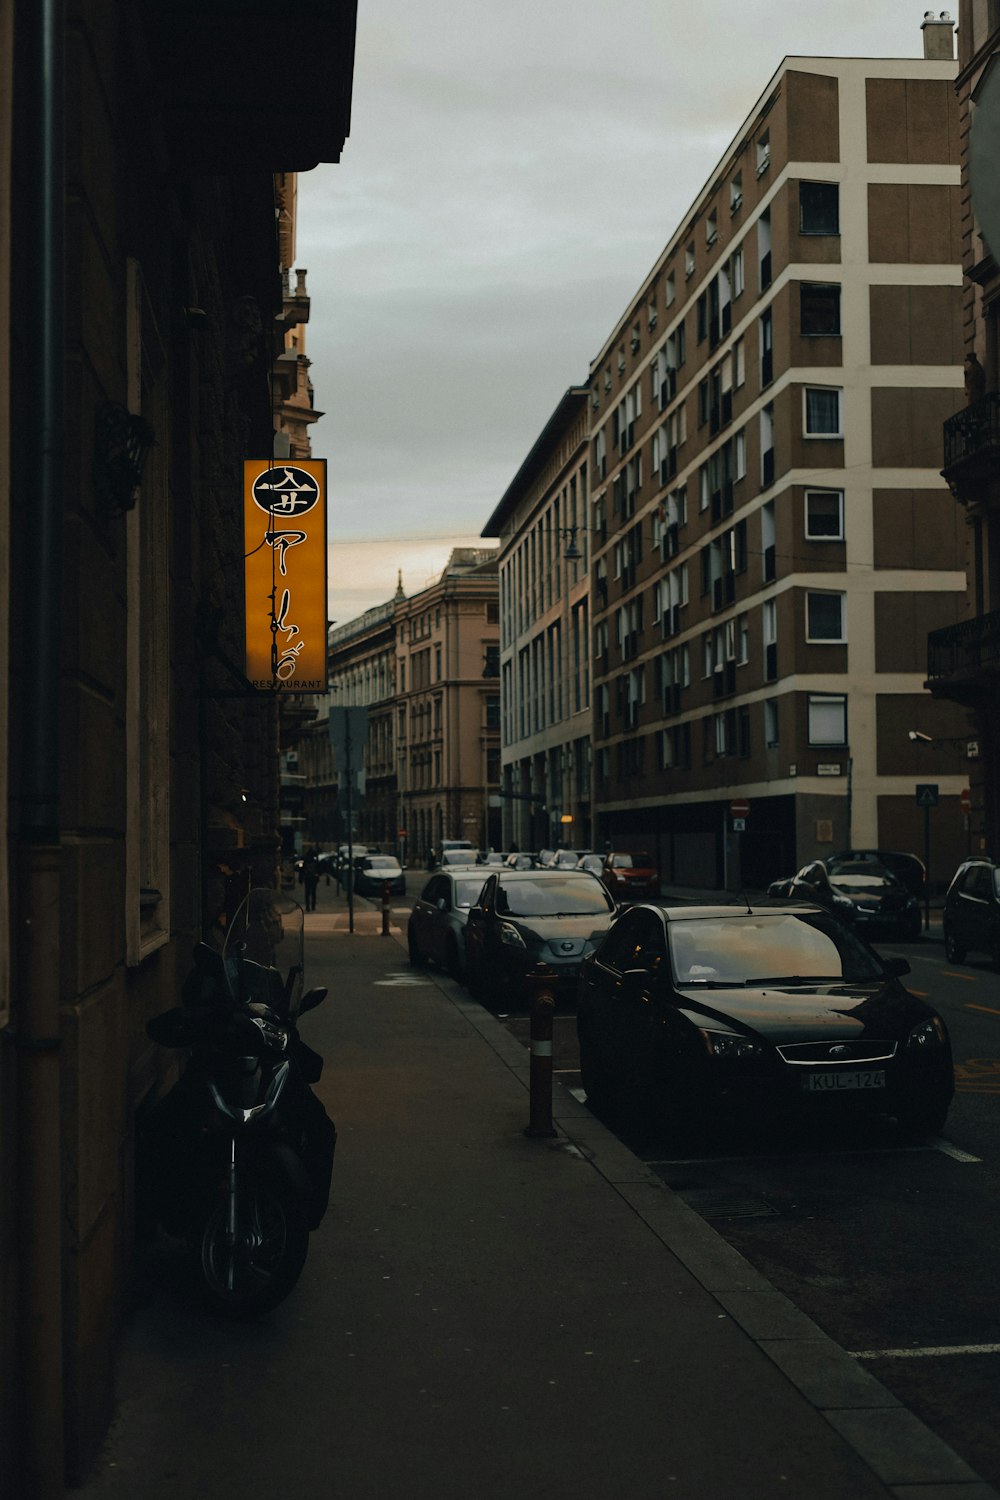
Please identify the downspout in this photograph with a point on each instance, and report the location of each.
(36, 933)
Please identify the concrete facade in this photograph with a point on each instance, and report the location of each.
(964, 658)
(447, 736)
(140, 291)
(772, 540)
(544, 573)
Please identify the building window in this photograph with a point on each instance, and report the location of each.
(819, 310)
(764, 248)
(824, 515)
(689, 260)
(763, 152)
(736, 193)
(819, 208)
(712, 227)
(822, 414)
(827, 719)
(771, 735)
(766, 348)
(825, 618)
(671, 289)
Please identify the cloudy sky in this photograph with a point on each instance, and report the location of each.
(513, 171)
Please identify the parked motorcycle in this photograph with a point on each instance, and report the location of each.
(237, 1158)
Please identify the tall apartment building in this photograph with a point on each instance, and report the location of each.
(772, 538)
(964, 659)
(542, 522)
(447, 734)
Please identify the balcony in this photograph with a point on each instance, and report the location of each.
(963, 660)
(972, 449)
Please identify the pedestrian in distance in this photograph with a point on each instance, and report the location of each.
(310, 878)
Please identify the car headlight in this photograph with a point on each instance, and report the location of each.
(725, 1044)
(510, 935)
(928, 1034)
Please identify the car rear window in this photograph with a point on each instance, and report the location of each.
(759, 947)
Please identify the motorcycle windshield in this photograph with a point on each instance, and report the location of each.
(264, 951)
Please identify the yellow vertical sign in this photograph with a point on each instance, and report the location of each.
(284, 529)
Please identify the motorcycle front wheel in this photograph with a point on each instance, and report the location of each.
(252, 1272)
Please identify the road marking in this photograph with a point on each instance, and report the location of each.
(954, 974)
(578, 1094)
(947, 1149)
(932, 1351)
(972, 1006)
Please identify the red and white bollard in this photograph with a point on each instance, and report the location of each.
(543, 1005)
(386, 898)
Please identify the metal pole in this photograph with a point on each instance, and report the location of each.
(927, 868)
(543, 1006)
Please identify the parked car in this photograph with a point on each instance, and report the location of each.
(593, 863)
(906, 867)
(860, 891)
(521, 861)
(566, 859)
(454, 859)
(971, 916)
(373, 871)
(533, 923)
(630, 875)
(690, 1012)
(436, 928)
(491, 857)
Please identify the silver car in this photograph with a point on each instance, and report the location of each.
(436, 929)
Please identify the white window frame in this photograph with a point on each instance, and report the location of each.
(689, 260)
(835, 390)
(772, 728)
(824, 536)
(670, 289)
(826, 704)
(736, 193)
(827, 640)
(712, 227)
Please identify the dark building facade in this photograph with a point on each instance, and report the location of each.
(140, 301)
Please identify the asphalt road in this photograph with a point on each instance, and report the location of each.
(892, 1247)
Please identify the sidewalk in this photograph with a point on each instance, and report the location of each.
(483, 1314)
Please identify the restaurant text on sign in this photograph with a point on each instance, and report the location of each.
(284, 508)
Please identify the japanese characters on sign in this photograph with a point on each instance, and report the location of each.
(284, 528)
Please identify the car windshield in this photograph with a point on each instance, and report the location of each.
(467, 892)
(759, 948)
(459, 857)
(383, 864)
(554, 896)
(859, 874)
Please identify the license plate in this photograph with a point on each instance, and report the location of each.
(835, 1082)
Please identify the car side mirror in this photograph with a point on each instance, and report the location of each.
(895, 968)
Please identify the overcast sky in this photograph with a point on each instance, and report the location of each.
(513, 171)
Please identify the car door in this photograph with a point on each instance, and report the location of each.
(618, 1004)
(476, 928)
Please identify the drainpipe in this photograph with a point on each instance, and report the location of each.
(36, 933)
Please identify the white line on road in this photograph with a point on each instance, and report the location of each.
(953, 1151)
(932, 1352)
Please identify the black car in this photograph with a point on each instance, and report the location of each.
(906, 867)
(373, 871)
(858, 890)
(528, 923)
(693, 1012)
(436, 929)
(971, 916)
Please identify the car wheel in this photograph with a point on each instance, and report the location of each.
(953, 950)
(453, 959)
(417, 959)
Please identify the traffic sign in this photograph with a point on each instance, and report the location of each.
(966, 799)
(927, 794)
(739, 808)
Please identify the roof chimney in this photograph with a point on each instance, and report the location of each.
(939, 37)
